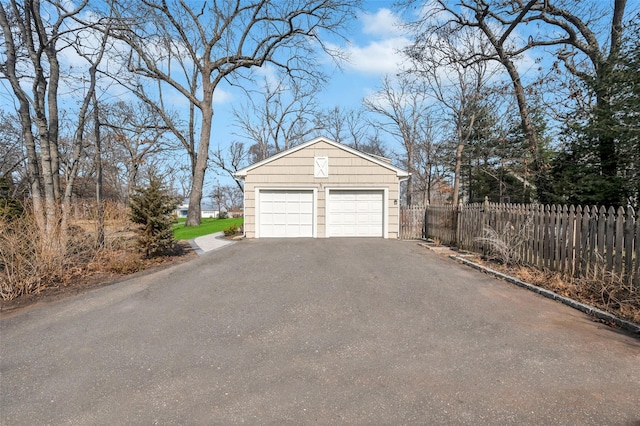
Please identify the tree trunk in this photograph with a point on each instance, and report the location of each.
(607, 151)
(33, 171)
(462, 140)
(537, 164)
(132, 176)
(456, 175)
(52, 99)
(410, 162)
(607, 147)
(99, 200)
(194, 213)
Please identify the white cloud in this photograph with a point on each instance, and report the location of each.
(378, 57)
(270, 75)
(379, 49)
(382, 23)
(221, 96)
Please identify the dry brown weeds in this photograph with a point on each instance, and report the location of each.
(610, 294)
(29, 266)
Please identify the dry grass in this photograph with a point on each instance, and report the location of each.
(28, 261)
(610, 294)
(116, 221)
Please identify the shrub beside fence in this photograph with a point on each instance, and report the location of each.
(579, 241)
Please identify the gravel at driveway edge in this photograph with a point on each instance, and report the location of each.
(587, 309)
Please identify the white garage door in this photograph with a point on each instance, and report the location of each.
(356, 213)
(286, 214)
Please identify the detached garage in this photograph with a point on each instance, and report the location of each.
(321, 189)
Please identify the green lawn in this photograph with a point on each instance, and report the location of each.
(207, 226)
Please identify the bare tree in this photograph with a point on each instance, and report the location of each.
(350, 127)
(404, 113)
(278, 116)
(574, 28)
(216, 41)
(231, 160)
(93, 58)
(138, 133)
(12, 157)
(226, 197)
(332, 123)
(457, 87)
(486, 20)
(345, 126)
(374, 145)
(97, 138)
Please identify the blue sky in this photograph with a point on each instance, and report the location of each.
(373, 52)
(374, 42)
(372, 45)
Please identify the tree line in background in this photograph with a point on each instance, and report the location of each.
(467, 120)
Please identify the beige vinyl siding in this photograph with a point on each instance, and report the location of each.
(296, 171)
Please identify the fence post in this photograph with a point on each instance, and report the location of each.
(425, 226)
(485, 221)
(457, 214)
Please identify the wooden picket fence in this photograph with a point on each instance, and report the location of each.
(438, 224)
(412, 222)
(441, 224)
(577, 241)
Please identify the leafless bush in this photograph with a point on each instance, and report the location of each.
(124, 263)
(610, 292)
(116, 217)
(116, 233)
(602, 289)
(506, 245)
(29, 262)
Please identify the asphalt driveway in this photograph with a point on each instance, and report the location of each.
(321, 331)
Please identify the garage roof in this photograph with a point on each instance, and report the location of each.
(399, 172)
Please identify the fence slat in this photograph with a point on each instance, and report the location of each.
(571, 241)
(412, 222)
(628, 245)
(584, 248)
(602, 223)
(636, 275)
(562, 253)
(610, 232)
(619, 239)
(593, 232)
